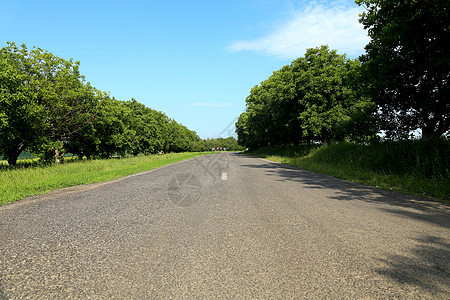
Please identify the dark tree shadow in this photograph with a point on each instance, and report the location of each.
(429, 211)
(428, 267)
(3, 295)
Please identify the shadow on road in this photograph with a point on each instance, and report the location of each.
(427, 267)
(427, 263)
(2, 291)
(403, 205)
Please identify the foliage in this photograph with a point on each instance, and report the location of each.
(130, 128)
(315, 98)
(406, 166)
(285, 150)
(229, 144)
(407, 64)
(180, 138)
(400, 86)
(45, 99)
(20, 117)
(48, 109)
(402, 157)
(148, 126)
(327, 98)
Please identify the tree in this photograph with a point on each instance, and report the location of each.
(44, 102)
(180, 138)
(47, 108)
(242, 130)
(280, 107)
(149, 126)
(20, 118)
(86, 141)
(229, 144)
(407, 64)
(272, 112)
(112, 128)
(68, 101)
(315, 98)
(324, 89)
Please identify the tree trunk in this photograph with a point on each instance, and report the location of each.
(435, 129)
(59, 155)
(12, 161)
(428, 132)
(12, 153)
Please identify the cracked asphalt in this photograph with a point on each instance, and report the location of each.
(224, 226)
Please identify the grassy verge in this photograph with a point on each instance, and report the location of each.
(18, 183)
(415, 168)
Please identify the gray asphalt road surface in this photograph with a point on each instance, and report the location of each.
(224, 226)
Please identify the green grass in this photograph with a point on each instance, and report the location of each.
(417, 168)
(20, 182)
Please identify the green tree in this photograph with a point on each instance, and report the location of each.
(149, 126)
(277, 108)
(272, 112)
(407, 64)
(20, 121)
(68, 101)
(45, 100)
(47, 108)
(229, 143)
(323, 86)
(180, 138)
(316, 98)
(242, 130)
(112, 128)
(86, 141)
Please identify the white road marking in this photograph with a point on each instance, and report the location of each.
(224, 176)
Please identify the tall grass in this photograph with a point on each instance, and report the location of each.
(412, 167)
(20, 182)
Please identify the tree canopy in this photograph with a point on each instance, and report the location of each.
(315, 98)
(398, 88)
(47, 108)
(407, 64)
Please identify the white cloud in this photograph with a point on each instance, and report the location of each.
(336, 26)
(212, 104)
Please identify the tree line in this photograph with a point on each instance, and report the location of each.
(398, 88)
(229, 144)
(47, 108)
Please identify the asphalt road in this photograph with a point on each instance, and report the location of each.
(224, 226)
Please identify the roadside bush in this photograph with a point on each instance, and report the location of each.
(414, 167)
(421, 158)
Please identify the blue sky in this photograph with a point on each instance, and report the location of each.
(194, 60)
